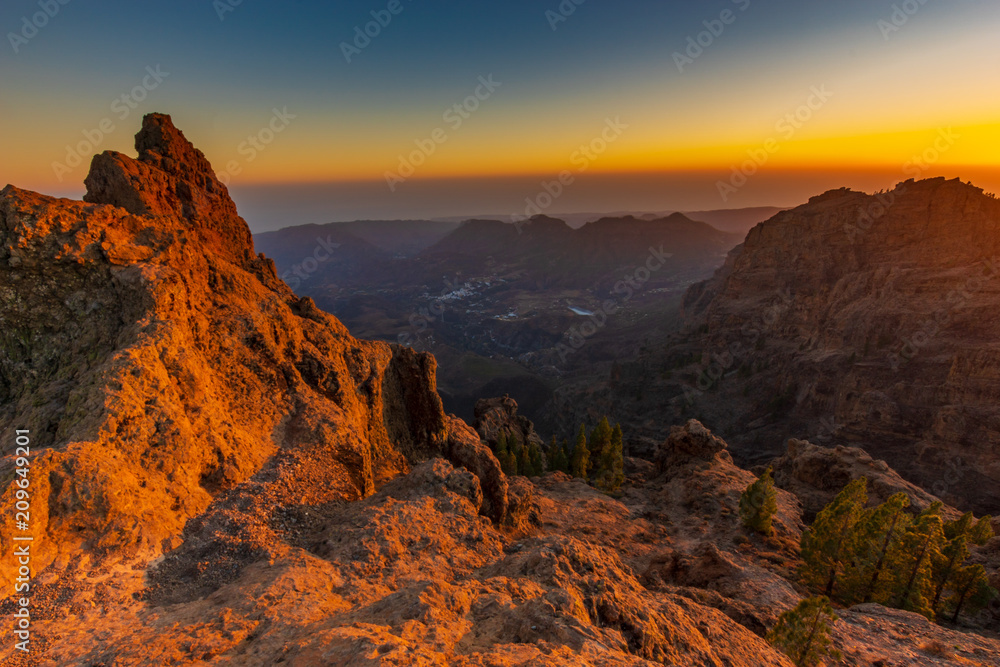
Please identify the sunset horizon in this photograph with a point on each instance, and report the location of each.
(796, 105)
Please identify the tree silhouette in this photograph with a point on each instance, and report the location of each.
(580, 464)
(759, 504)
(611, 462)
(557, 457)
(600, 438)
(803, 634)
(971, 586)
(825, 544)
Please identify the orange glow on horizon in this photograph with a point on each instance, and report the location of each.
(974, 145)
(965, 151)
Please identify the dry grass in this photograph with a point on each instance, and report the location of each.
(935, 647)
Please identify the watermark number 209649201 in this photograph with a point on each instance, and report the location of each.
(22, 540)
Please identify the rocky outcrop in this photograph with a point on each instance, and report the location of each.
(170, 178)
(689, 442)
(817, 474)
(163, 369)
(869, 634)
(466, 449)
(496, 417)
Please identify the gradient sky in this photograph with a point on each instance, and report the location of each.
(893, 95)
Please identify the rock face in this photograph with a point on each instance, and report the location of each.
(497, 417)
(159, 363)
(689, 442)
(817, 474)
(855, 319)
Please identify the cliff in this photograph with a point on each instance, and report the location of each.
(158, 363)
(861, 320)
(869, 320)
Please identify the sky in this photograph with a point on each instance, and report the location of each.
(370, 109)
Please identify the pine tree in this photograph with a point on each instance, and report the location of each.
(508, 453)
(600, 438)
(972, 589)
(617, 463)
(611, 465)
(581, 455)
(981, 532)
(536, 460)
(959, 534)
(557, 457)
(523, 460)
(825, 543)
(500, 448)
(567, 456)
(911, 563)
(946, 565)
(508, 464)
(803, 634)
(503, 454)
(759, 504)
(878, 529)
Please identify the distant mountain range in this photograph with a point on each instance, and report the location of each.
(410, 237)
(498, 302)
(735, 220)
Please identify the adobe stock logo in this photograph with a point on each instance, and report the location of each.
(455, 116)
(256, 143)
(787, 127)
(223, 7)
(301, 272)
(581, 158)
(565, 9)
(901, 15)
(122, 107)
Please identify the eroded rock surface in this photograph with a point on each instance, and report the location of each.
(159, 364)
(817, 474)
(869, 321)
(862, 320)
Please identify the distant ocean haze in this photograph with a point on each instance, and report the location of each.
(268, 207)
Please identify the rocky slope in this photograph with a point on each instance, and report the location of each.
(158, 363)
(415, 575)
(855, 319)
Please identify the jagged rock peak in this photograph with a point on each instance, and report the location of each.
(162, 145)
(170, 178)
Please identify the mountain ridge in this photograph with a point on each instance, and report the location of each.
(857, 319)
